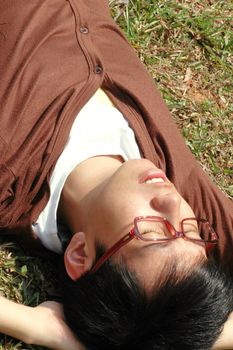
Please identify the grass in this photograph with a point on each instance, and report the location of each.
(187, 46)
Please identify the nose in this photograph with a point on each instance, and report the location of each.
(168, 205)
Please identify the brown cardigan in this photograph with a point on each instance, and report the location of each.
(54, 55)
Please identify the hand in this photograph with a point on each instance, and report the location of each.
(225, 341)
(52, 331)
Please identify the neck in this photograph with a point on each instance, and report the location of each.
(81, 188)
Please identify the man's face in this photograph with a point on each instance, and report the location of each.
(138, 188)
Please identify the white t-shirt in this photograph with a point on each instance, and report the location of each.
(99, 129)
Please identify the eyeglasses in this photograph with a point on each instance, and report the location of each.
(159, 230)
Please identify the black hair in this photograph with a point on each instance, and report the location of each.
(110, 309)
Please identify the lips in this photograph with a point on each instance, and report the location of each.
(153, 176)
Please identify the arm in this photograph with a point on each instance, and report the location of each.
(225, 341)
(43, 325)
(15, 319)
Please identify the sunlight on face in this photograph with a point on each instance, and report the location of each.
(124, 197)
(139, 188)
(151, 261)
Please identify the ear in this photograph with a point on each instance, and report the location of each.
(76, 258)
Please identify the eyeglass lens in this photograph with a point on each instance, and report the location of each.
(193, 229)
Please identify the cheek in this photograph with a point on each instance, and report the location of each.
(119, 208)
(127, 200)
(119, 194)
(186, 210)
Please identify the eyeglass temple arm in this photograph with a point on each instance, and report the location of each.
(125, 239)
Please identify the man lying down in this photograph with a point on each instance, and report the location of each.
(93, 167)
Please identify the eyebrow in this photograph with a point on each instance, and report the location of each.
(159, 246)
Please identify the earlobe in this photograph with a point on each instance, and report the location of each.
(77, 261)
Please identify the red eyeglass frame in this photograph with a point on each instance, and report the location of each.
(134, 233)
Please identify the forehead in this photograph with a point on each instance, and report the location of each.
(152, 263)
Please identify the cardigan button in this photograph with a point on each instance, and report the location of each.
(98, 70)
(84, 30)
